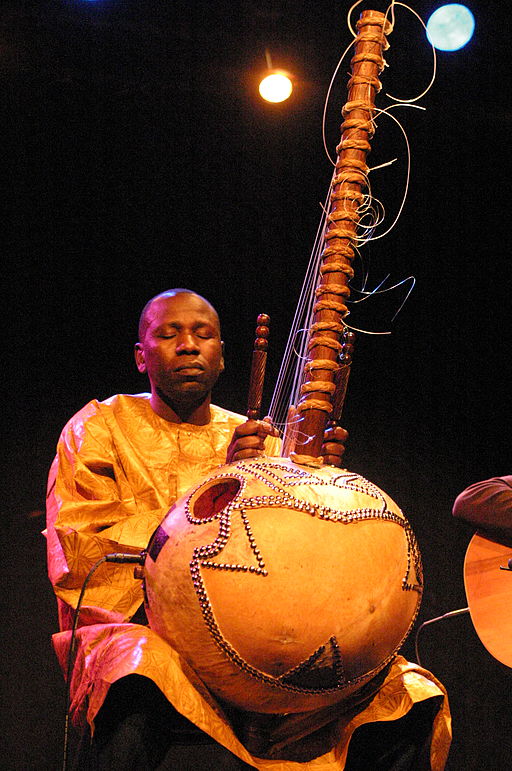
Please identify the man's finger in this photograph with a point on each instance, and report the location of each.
(255, 428)
(333, 448)
(245, 454)
(336, 433)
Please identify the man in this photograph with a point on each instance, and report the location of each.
(120, 465)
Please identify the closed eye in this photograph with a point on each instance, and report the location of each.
(204, 332)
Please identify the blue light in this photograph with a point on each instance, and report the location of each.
(450, 27)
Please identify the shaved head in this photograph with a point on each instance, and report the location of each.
(168, 293)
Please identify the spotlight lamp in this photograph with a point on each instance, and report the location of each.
(276, 85)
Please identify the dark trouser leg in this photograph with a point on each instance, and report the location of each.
(397, 745)
(138, 730)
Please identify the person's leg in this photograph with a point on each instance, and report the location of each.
(137, 729)
(397, 745)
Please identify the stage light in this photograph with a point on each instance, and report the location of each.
(276, 87)
(450, 27)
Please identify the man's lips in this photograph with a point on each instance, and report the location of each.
(192, 368)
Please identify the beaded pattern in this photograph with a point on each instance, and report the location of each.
(338, 675)
(204, 556)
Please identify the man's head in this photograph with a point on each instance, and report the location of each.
(180, 349)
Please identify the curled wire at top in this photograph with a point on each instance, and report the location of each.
(368, 294)
(391, 9)
(390, 17)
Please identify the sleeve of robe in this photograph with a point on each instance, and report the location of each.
(487, 505)
(92, 511)
(113, 479)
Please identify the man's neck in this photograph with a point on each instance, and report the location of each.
(197, 414)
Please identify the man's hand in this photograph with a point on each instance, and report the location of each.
(333, 447)
(248, 440)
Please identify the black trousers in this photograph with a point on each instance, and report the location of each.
(138, 730)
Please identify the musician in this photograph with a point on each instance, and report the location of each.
(487, 505)
(120, 465)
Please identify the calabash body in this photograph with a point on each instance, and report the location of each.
(285, 588)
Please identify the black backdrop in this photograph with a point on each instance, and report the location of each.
(137, 157)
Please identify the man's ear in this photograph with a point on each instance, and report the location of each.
(139, 358)
(222, 356)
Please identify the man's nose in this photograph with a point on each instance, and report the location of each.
(186, 343)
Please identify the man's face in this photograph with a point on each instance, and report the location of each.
(181, 351)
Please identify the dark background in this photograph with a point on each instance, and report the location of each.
(137, 156)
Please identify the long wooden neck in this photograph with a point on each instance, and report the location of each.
(349, 183)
